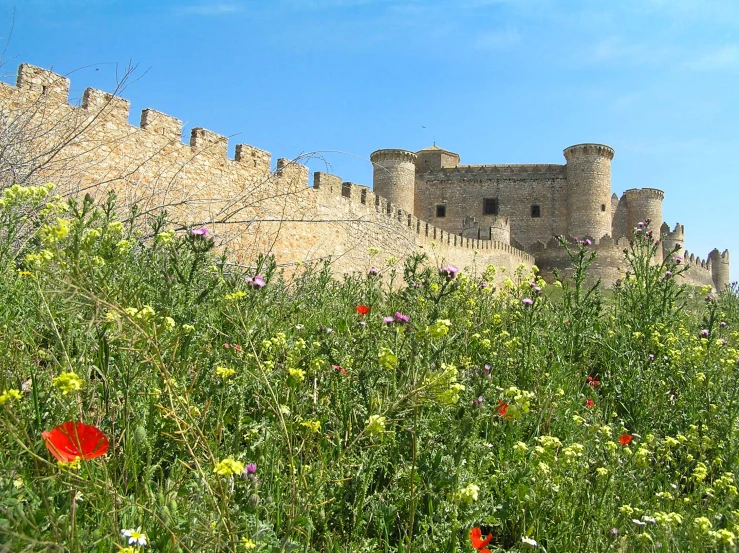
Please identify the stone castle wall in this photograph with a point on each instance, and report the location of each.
(250, 208)
(463, 189)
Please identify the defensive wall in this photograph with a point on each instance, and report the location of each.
(92, 148)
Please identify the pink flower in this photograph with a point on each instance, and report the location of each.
(527, 301)
(257, 282)
(202, 231)
(449, 272)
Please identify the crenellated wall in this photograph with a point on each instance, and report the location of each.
(250, 208)
(254, 209)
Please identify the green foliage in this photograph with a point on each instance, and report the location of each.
(273, 418)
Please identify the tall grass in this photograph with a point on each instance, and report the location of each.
(245, 417)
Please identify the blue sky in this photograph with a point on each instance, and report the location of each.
(498, 81)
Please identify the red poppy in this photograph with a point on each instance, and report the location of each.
(589, 403)
(593, 382)
(72, 440)
(502, 408)
(625, 439)
(477, 540)
(340, 369)
(363, 309)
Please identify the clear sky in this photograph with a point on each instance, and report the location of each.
(497, 81)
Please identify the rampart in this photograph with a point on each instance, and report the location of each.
(92, 148)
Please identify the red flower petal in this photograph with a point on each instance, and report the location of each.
(340, 369)
(502, 408)
(363, 309)
(589, 403)
(71, 440)
(478, 542)
(625, 439)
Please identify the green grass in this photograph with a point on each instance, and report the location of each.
(430, 428)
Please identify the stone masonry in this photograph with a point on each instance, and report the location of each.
(469, 215)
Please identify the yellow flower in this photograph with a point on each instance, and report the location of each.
(68, 382)
(9, 395)
(313, 426)
(296, 374)
(468, 494)
(375, 425)
(225, 372)
(248, 544)
(229, 467)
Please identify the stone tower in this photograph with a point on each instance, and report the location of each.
(719, 269)
(588, 172)
(670, 239)
(643, 204)
(394, 177)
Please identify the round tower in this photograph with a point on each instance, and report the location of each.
(643, 204)
(394, 177)
(671, 238)
(719, 269)
(588, 172)
(500, 229)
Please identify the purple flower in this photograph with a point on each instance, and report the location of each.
(637, 230)
(704, 333)
(486, 368)
(710, 298)
(477, 401)
(388, 320)
(614, 531)
(374, 271)
(722, 324)
(256, 282)
(587, 242)
(400, 318)
(251, 468)
(640, 224)
(678, 259)
(651, 357)
(668, 274)
(678, 245)
(449, 272)
(202, 231)
(537, 290)
(723, 341)
(483, 285)
(417, 284)
(527, 301)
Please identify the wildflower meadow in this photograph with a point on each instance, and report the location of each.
(156, 397)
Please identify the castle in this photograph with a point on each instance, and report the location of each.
(469, 215)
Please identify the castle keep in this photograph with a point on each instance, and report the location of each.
(527, 205)
(468, 215)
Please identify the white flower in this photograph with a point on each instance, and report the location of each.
(649, 519)
(638, 522)
(529, 542)
(135, 537)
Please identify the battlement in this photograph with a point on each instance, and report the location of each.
(588, 149)
(392, 155)
(161, 123)
(33, 82)
(638, 193)
(333, 188)
(521, 171)
(42, 81)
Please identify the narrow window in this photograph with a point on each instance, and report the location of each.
(363, 197)
(490, 206)
(43, 89)
(441, 211)
(535, 211)
(602, 207)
